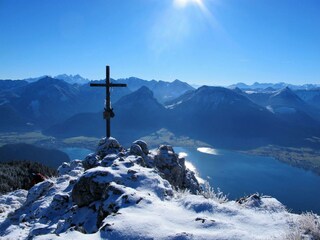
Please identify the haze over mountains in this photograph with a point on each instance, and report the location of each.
(275, 86)
(223, 117)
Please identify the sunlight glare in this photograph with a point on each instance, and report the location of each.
(184, 3)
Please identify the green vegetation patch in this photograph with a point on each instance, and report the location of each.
(18, 174)
(164, 136)
(82, 142)
(305, 158)
(35, 138)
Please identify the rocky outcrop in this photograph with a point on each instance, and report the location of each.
(130, 194)
(173, 168)
(108, 146)
(143, 145)
(170, 166)
(111, 179)
(91, 186)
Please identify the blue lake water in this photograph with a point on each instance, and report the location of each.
(76, 153)
(238, 174)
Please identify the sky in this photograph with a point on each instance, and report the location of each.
(212, 42)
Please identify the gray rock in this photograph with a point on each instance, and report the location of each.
(253, 200)
(135, 149)
(90, 187)
(139, 160)
(38, 191)
(169, 165)
(108, 160)
(191, 182)
(92, 160)
(59, 202)
(174, 170)
(73, 168)
(143, 146)
(108, 146)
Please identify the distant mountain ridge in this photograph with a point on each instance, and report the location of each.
(224, 118)
(216, 115)
(286, 101)
(72, 79)
(231, 118)
(139, 111)
(275, 86)
(163, 91)
(48, 101)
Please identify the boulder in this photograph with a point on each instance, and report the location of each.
(108, 146)
(92, 160)
(168, 163)
(174, 169)
(135, 149)
(143, 146)
(38, 191)
(91, 186)
(253, 200)
(108, 160)
(73, 168)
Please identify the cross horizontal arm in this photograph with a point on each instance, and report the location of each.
(117, 85)
(110, 85)
(98, 85)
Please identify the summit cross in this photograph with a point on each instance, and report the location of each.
(108, 110)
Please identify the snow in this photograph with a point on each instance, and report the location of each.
(10, 202)
(250, 92)
(281, 110)
(270, 109)
(207, 150)
(138, 203)
(172, 106)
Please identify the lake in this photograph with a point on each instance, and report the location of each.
(76, 153)
(238, 174)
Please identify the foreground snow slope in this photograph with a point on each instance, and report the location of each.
(132, 194)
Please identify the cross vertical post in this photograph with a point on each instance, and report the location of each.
(108, 110)
(108, 101)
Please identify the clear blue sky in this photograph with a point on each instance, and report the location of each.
(214, 42)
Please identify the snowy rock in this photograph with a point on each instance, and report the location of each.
(174, 170)
(108, 146)
(92, 160)
(191, 182)
(73, 168)
(108, 160)
(264, 203)
(11, 201)
(90, 187)
(143, 146)
(38, 190)
(60, 201)
(135, 149)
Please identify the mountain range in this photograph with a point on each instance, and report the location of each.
(275, 86)
(223, 117)
(48, 101)
(216, 115)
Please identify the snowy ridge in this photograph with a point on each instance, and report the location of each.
(116, 193)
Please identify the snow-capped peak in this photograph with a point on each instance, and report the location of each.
(72, 78)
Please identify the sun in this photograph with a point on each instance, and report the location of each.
(184, 3)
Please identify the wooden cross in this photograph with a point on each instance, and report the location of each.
(108, 111)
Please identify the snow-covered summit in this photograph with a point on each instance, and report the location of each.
(72, 78)
(135, 193)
